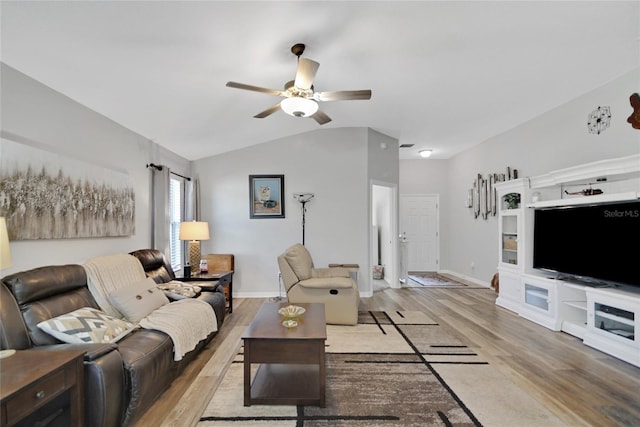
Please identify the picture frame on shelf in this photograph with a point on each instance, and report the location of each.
(266, 196)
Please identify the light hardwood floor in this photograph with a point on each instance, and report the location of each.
(582, 386)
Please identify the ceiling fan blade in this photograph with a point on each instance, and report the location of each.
(255, 88)
(342, 95)
(269, 111)
(321, 117)
(306, 72)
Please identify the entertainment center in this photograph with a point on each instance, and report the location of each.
(564, 260)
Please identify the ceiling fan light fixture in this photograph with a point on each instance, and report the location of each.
(425, 153)
(299, 107)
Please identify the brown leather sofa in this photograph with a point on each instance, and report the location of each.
(122, 380)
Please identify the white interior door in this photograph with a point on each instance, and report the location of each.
(419, 225)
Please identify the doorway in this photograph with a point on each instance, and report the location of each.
(419, 224)
(383, 250)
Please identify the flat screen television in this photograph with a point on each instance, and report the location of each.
(594, 243)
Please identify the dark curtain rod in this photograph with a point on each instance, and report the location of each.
(158, 167)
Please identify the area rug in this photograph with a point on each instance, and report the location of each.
(392, 369)
(432, 280)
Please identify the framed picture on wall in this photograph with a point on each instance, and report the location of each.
(266, 196)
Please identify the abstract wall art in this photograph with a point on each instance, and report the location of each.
(45, 195)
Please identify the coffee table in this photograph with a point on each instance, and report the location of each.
(292, 360)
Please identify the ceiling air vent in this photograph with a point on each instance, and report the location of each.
(406, 145)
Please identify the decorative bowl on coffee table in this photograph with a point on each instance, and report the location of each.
(291, 311)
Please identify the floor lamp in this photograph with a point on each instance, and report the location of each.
(303, 198)
(194, 232)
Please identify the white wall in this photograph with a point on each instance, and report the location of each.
(331, 163)
(556, 139)
(35, 114)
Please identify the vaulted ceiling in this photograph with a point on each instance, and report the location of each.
(444, 75)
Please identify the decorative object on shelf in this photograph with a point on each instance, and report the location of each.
(634, 118)
(599, 120)
(536, 197)
(303, 198)
(194, 231)
(91, 200)
(266, 196)
(512, 200)
(586, 192)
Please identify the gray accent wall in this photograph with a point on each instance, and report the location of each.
(334, 164)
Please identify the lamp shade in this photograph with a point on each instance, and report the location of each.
(194, 230)
(5, 253)
(299, 107)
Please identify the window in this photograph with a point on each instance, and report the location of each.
(176, 202)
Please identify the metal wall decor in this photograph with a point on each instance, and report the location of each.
(599, 120)
(482, 198)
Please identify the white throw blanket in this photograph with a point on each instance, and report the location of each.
(109, 273)
(187, 322)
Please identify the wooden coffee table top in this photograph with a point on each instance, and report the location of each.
(268, 323)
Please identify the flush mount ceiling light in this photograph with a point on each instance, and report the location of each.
(425, 153)
(299, 107)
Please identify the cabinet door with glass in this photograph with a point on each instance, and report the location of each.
(510, 200)
(509, 238)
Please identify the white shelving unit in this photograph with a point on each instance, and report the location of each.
(613, 318)
(511, 242)
(574, 309)
(540, 302)
(605, 318)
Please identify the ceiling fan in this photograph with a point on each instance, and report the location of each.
(300, 100)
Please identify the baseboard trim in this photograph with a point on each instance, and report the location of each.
(473, 280)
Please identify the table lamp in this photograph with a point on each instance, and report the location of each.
(194, 231)
(5, 262)
(5, 253)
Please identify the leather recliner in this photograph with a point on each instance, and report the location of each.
(333, 287)
(39, 294)
(155, 265)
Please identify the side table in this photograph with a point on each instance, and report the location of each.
(223, 278)
(353, 269)
(31, 379)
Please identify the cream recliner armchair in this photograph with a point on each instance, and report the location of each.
(332, 286)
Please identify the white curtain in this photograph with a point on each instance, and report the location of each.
(192, 200)
(160, 217)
